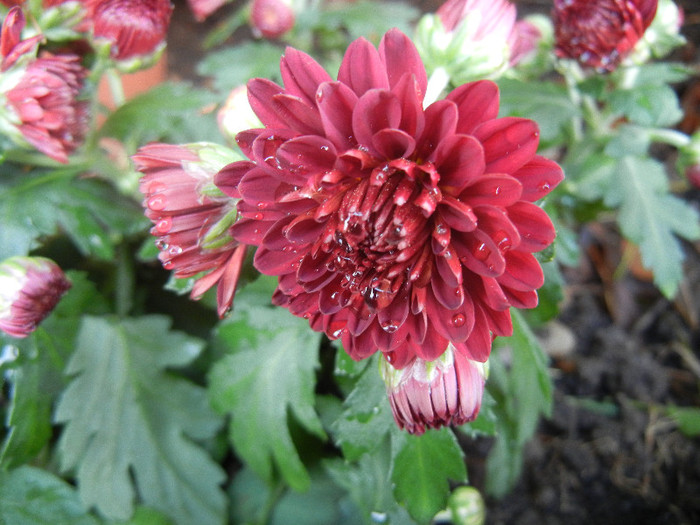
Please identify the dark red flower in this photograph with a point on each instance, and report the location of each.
(392, 226)
(600, 33)
(191, 216)
(447, 391)
(271, 18)
(30, 288)
(44, 103)
(135, 27)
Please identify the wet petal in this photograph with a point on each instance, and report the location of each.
(302, 75)
(336, 102)
(401, 57)
(362, 69)
(477, 102)
(509, 143)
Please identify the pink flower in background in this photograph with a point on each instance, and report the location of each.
(600, 33)
(496, 17)
(395, 227)
(191, 216)
(135, 27)
(447, 391)
(30, 288)
(271, 18)
(204, 8)
(43, 105)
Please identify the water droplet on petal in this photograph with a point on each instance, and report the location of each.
(545, 186)
(175, 250)
(164, 225)
(482, 252)
(458, 320)
(389, 326)
(157, 202)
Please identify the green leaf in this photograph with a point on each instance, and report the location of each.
(546, 103)
(659, 74)
(171, 111)
(36, 377)
(648, 105)
(354, 18)
(269, 374)
(422, 467)
(651, 217)
(687, 419)
(30, 496)
(522, 395)
(366, 416)
(36, 204)
(129, 422)
(252, 59)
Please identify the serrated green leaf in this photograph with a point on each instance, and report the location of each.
(251, 59)
(129, 423)
(366, 417)
(647, 105)
(35, 204)
(423, 466)
(546, 103)
(30, 496)
(269, 374)
(36, 376)
(650, 217)
(169, 112)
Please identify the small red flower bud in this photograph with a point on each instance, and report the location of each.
(203, 8)
(271, 18)
(30, 288)
(600, 33)
(135, 27)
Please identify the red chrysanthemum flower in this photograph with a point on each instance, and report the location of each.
(43, 102)
(600, 33)
(30, 288)
(447, 391)
(395, 227)
(191, 217)
(135, 27)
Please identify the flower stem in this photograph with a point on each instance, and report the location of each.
(124, 281)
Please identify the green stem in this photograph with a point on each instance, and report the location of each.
(674, 138)
(116, 87)
(124, 293)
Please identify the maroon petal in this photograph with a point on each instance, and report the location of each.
(493, 295)
(440, 123)
(477, 102)
(248, 231)
(493, 189)
(509, 143)
(494, 221)
(376, 110)
(302, 75)
(229, 177)
(275, 262)
(297, 114)
(523, 273)
(478, 345)
(304, 229)
(479, 253)
(362, 68)
(393, 143)
(260, 93)
(305, 156)
(520, 299)
(539, 177)
(336, 102)
(535, 226)
(458, 215)
(258, 188)
(410, 97)
(460, 160)
(401, 57)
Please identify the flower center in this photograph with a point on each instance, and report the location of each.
(381, 228)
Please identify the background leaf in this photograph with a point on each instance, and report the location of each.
(268, 376)
(125, 414)
(31, 496)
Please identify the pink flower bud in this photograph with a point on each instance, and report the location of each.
(433, 394)
(30, 288)
(203, 8)
(271, 18)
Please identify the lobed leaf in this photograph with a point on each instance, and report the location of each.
(130, 424)
(268, 374)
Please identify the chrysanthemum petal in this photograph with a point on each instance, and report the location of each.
(538, 177)
(302, 75)
(459, 160)
(477, 102)
(400, 58)
(362, 68)
(533, 223)
(336, 101)
(509, 143)
(376, 110)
